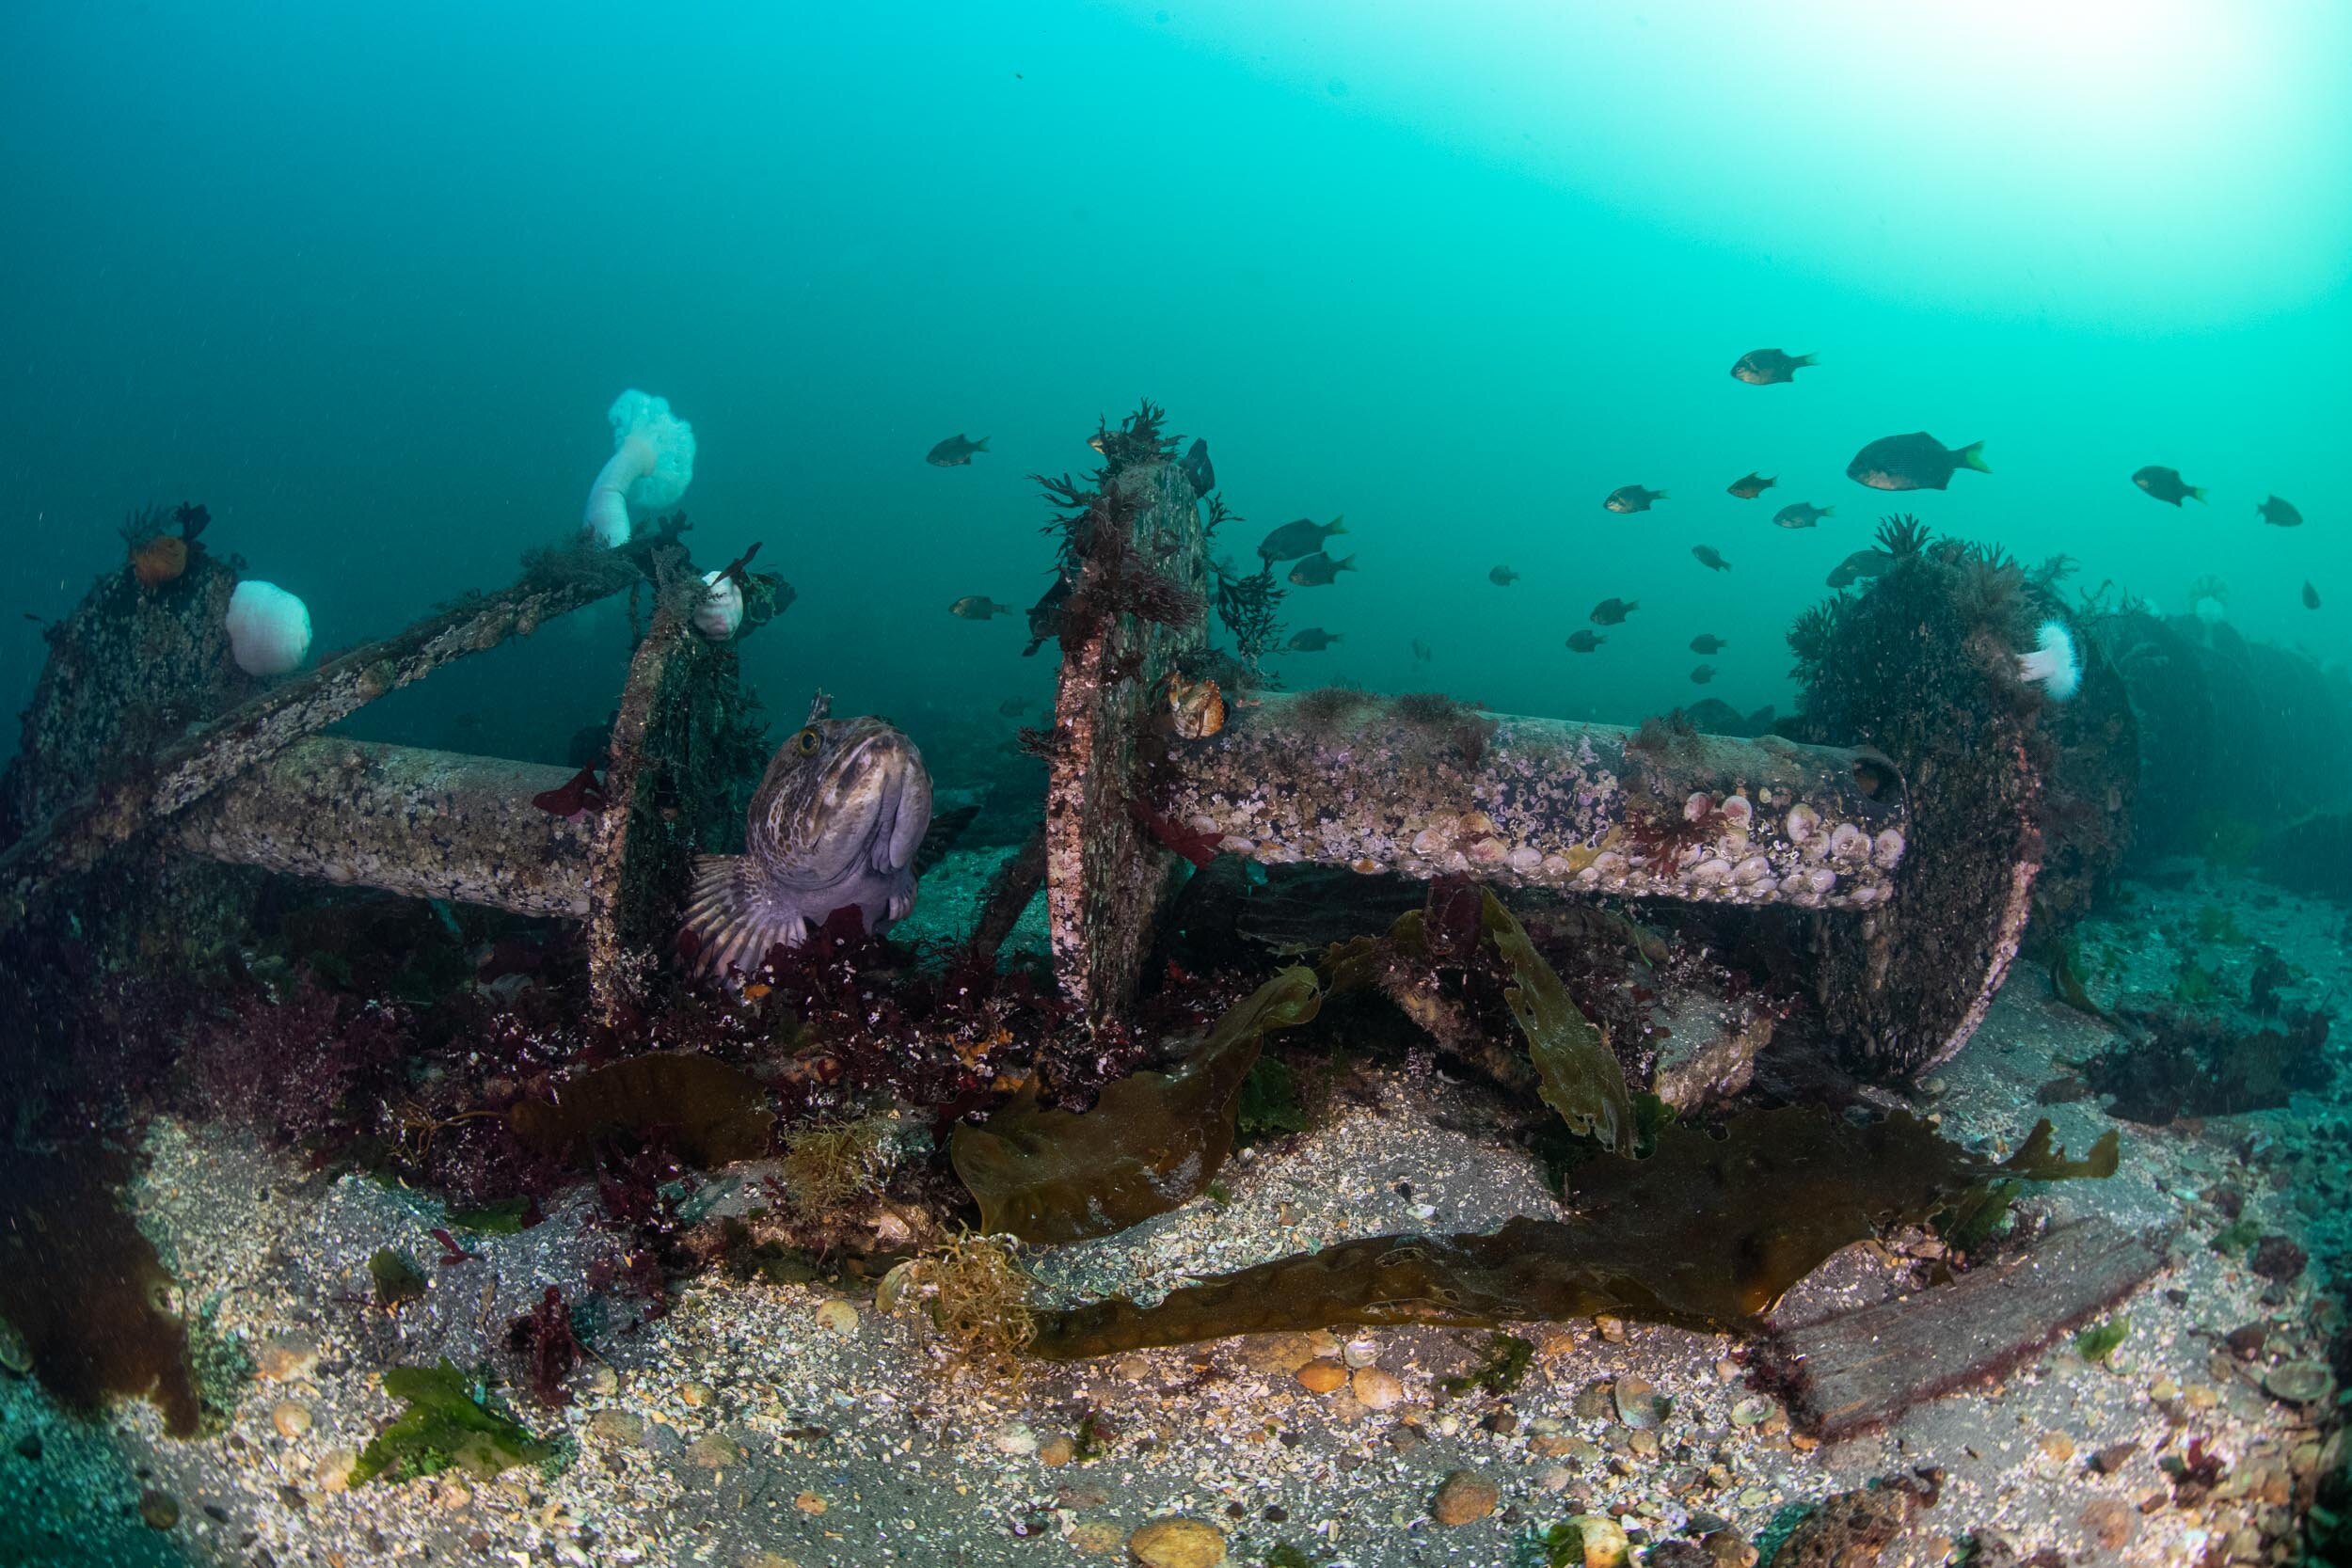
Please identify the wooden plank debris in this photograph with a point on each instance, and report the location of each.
(1863, 1369)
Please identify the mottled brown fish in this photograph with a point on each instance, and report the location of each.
(1585, 642)
(975, 606)
(1710, 558)
(1319, 569)
(1502, 576)
(955, 451)
(1802, 515)
(1704, 674)
(2311, 596)
(1914, 462)
(2167, 486)
(1707, 642)
(1749, 489)
(1632, 497)
(1295, 539)
(2279, 514)
(1610, 612)
(1312, 640)
(834, 824)
(1770, 367)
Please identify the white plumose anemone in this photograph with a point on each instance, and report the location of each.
(2053, 663)
(269, 629)
(651, 466)
(721, 611)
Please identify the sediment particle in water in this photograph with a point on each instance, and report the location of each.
(1464, 1497)
(1178, 1543)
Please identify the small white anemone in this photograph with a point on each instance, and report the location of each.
(651, 466)
(2053, 664)
(269, 629)
(721, 611)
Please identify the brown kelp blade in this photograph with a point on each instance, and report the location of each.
(713, 1113)
(1581, 1076)
(1153, 1141)
(1707, 1233)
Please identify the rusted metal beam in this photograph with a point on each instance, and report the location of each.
(113, 812)
(406, 820)
(1423, 792)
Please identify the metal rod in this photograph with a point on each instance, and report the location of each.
(1419, 788)
(428, 824)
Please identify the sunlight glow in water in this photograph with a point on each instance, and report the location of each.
(2127, 162)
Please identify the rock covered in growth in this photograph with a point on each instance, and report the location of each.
(1177, 1543)
(1923, 665)
(1464, 1497)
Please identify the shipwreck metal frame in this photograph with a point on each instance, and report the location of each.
(1377, 786)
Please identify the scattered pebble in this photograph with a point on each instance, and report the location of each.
(1605, 1543)
(290, 1417)
(1376, 1389)
(1464, 1497)
(621, 1428)
(2058, 1445)
(1361, 1353)
(1322, 1375)
(1094, 1536)
(287, 1358)
(1638, 1405)
(334, 1469)
(713, 1452)
(2298, 1382)
(1014, 1438)
(1058, 1452)
(697, 1394)
(811, 1503)
(1178, 1543)
(837, 1317)
(1752, 1410)
(1609, 1328)
(159, 1508)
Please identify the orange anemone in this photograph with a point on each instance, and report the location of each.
(160, 559)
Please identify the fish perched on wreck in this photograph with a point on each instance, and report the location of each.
(834, 824)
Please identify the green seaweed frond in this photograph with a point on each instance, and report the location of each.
(2097, 1342)
(446, 1422)
(1508, 1357)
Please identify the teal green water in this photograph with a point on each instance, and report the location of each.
(364, 280)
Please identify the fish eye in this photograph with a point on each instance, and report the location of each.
(807, 741)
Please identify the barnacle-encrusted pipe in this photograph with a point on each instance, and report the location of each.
(428, 824)
(1424, 789)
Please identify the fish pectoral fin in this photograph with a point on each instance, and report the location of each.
(734, 919)
(902, 892)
